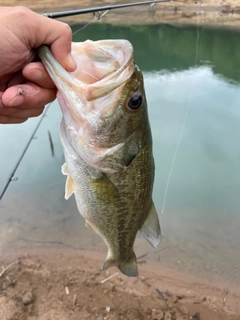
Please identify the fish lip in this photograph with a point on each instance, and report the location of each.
(58, 74)
(101, 87)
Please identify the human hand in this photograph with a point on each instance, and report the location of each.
(25, 86)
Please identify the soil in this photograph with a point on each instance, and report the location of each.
(53, 285)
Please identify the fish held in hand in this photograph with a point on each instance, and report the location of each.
(107, 143)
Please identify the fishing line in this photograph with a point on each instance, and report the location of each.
(98, 15)
(184, 119)
(11, 177)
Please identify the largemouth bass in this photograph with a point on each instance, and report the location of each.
(107, 143)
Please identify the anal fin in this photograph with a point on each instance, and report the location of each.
(151, 227)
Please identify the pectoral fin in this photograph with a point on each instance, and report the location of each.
(64, 169)
(69, 187)
(151, 227)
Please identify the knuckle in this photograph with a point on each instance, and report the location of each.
(21, 13)
(67, 31)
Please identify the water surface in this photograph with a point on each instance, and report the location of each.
(191, 74)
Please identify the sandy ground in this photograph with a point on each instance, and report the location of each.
(56, 285)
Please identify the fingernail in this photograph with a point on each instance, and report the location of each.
(17, 99)
(71, 62)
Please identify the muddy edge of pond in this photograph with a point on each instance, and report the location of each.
(64, 284)
(210, 13)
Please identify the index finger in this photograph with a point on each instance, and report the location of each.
(42, 30)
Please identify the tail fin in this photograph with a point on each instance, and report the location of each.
(129, 268)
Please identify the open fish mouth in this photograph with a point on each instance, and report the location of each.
(90, 96)
(102, 66)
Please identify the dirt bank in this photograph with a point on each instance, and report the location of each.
(57, 285)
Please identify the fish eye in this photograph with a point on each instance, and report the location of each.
(135, 102)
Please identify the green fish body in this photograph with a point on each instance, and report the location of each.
(107, 143)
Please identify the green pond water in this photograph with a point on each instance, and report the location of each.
(192, 85)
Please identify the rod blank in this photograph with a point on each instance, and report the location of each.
(63, 14)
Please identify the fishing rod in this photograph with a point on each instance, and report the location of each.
(11, 177)
(63, 14)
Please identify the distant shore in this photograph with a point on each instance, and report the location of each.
(210, 13)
